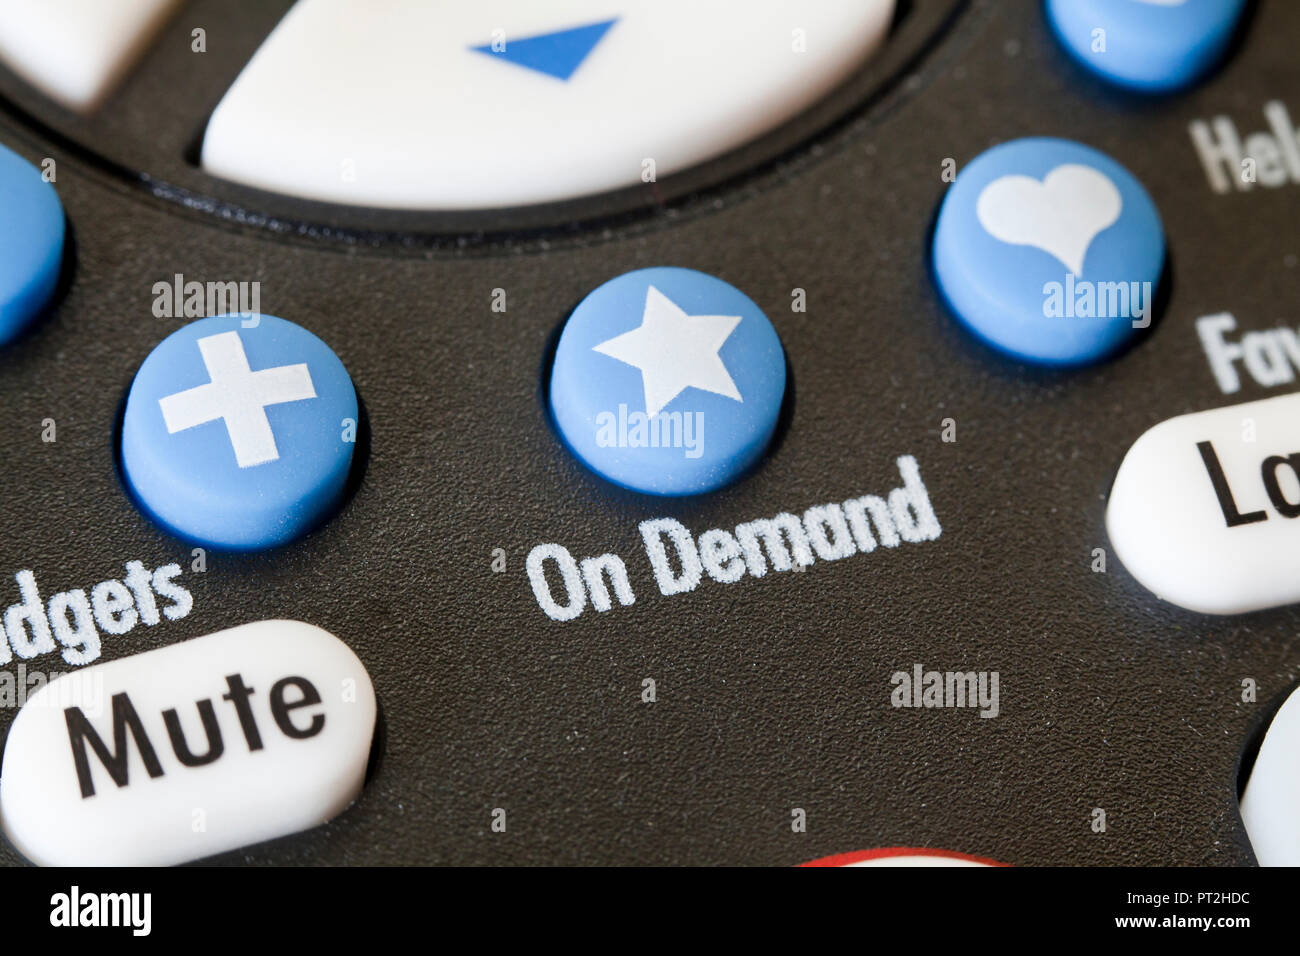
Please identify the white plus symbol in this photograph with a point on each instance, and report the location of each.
(239, 396)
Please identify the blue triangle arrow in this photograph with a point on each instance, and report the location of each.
(557, 54)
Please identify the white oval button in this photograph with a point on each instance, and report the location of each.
(1270, 805)
(511, 102)
(1205, 507)
(194, 749)
(74, 51)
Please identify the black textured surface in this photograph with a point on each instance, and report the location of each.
(772, 693)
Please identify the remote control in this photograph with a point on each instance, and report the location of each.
(607, 432)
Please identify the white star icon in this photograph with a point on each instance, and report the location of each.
(675, 351)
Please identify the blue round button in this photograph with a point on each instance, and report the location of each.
(1148, 45)
(31, 243)
(1050, 251)
(668, 381)
(239, 432)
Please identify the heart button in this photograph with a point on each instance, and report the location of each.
(1050, 251)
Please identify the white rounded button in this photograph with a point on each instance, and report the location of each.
(75, 51)
(417, 105)
(1205, 509)
(190, 750)
(1270, 805)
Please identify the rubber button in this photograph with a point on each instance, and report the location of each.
(253, 732)
(1205, 509)
(668, 381)
(514, 102)
(239, 432)
(76, 51)
(1148, 45)
(31, 243)
(1270, 804)
(1050, 251)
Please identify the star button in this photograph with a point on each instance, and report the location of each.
(667, 381)
(675, 351)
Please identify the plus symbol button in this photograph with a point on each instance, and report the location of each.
(238, 396)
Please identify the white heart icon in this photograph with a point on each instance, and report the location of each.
(1060, 215)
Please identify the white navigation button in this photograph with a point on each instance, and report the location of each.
(1270, 805)
(194, 749)
(1205, 509)
(74, 51)
(411, 104)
